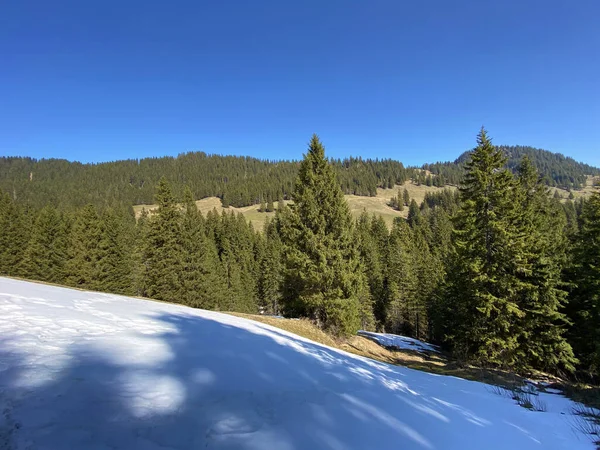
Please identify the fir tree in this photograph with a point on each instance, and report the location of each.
(542, 224)
(322, 277)
(584, 276)
(84, 250)
(162, 252)
(406, 197)
(46, 253)
(201, 280)
(482, 294)
(13, 235)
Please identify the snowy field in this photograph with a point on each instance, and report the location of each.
(395, 341)
(83, 370)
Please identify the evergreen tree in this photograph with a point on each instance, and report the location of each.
(584, 276)
(542, 224)
(270, 206)
(162, 252)
(406, 197)
(322, 277)
(46, 253)
(482, 301)
(201, 279)
(116, 247)
(84, 250)
(401, 281)
(414, 213)
(263, 206)
(13, 235)
(270, 270)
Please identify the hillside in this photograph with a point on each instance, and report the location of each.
(556, 169)
(377, 204)
(90, 370)
(238, 181)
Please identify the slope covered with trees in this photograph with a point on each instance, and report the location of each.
(500, 272)
(238, 181)
(556, 169)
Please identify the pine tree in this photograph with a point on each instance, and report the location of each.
(322, 277)
(584, 276)
(401, 280)
(84, 250)
(542, 224)
(162, 251)
(13, 235)
(201, 280)
(270, 206)
(414, 213)
(263, 206)
(115, 248)
(482, 302)
(46, 253)
(270, 270)
(406, 197)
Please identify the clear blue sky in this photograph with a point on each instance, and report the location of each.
(411, 80)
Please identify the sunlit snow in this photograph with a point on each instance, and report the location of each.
(84, 370)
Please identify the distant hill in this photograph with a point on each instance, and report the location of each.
(557, 170)
(239, 181)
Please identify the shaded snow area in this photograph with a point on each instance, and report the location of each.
(83, 370)
(395, 341)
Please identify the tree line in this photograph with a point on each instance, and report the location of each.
(238, 181)
(500, 273)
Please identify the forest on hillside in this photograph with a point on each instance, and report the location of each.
(238, 181)
(500, 273)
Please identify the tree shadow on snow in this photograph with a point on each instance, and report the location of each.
(193, 382)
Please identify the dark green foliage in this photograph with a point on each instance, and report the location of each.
(322, 276)
(202, 278)
(238, 181)
(482, 292)
(162, 253)
(584, 275)
(46, 252)
(269, 251)
(406, 197)
(555, 169)
(543, 253)
(14, 234)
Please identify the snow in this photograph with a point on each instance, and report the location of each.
(396, 341)
(84, 370)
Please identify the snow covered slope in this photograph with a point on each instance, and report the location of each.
(83, 370)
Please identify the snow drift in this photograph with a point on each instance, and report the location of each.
(87, 370)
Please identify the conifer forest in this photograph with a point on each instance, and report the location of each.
(499, 272)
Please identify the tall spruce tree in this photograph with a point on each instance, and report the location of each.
(81, 268)
(46, 252)
(201, 278)
(13, 235)
(584, 277)
(162, 251)
(482, 296)
(542, 224)
(322, 278)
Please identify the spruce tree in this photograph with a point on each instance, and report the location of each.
(584, 277)
(13, 235)
(46, 252)
(201, 280)
(542, 224)
(482, 301)
(162, 251)
(81, 268)
(322, 278)
(406, 197)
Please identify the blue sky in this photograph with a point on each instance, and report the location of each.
(409, 80)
